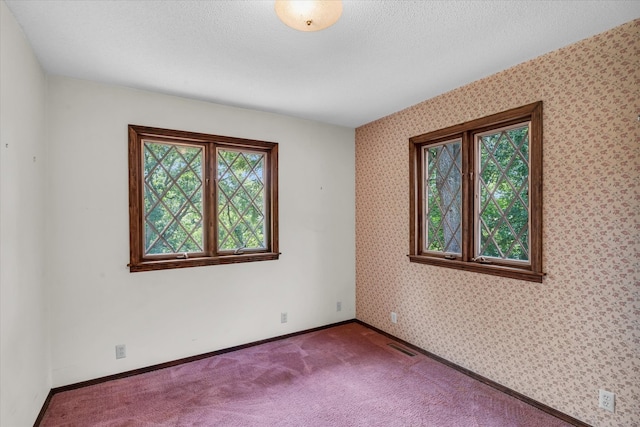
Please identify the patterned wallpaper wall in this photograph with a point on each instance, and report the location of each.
(557, 342)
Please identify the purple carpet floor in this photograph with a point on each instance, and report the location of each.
(347, 375)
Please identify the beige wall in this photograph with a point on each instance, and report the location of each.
(25, 377)
(169, 314)
(560, 341)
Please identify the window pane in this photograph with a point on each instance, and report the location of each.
(443, 195)
(241, 200)
(173, 203)
(503, 187)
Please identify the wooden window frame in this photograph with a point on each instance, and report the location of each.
(533, 270)
(211, 256)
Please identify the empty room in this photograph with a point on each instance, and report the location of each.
(319, 213)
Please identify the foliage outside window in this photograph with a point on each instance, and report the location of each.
(476, 195)
(198, 199)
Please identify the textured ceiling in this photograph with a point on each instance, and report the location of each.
(381, 56)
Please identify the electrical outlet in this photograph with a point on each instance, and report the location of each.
(283, 317)
(394, 317)
(339, 306)
(607, 400)
(121, 351)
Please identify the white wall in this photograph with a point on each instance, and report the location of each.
(165, 315)
(25, 376)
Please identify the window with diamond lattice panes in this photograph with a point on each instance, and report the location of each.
(197, 199)
(173, 199)
(476, 195)
(443, 207)
(241, 200)
(503, 188)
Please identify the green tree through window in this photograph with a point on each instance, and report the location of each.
(444, 202)
(503, 188)
(241, 200)
(173, 198)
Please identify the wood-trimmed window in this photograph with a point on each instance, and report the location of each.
(476, 195)
(197, 199)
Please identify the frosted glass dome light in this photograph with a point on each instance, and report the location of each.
(309, 15)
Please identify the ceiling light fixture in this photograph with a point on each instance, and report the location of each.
(309, 15)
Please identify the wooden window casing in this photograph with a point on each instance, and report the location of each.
(139, 261)
(532, 269)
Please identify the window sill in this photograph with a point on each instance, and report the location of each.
(494, 270)
(202, 261)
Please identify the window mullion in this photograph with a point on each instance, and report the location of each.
(468, 197)
(211, 192)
